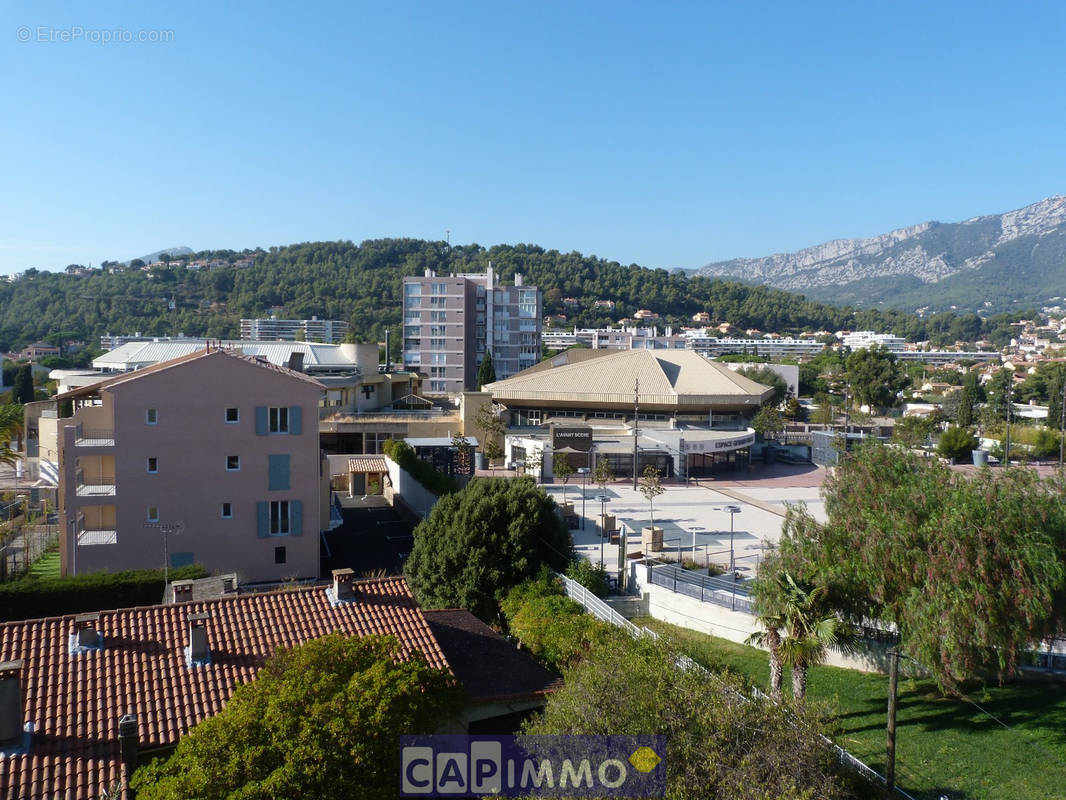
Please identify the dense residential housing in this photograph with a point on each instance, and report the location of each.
(713, 342)
(330, 331)
(450, 323)
(210, 458)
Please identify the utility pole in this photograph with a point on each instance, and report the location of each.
(636, 416)
(890, 759)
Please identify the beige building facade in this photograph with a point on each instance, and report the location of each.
(211, 458)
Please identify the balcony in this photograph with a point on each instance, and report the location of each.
(94, 487)
(90, 537)
(90, 437)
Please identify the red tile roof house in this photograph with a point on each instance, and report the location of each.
(72, 679)
(219, 446)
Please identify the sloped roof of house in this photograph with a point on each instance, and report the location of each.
(668, 378)
(196, 355)
(76, 700)
(491, 668)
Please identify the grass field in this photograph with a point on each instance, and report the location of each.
(47, 566)
(945, 747)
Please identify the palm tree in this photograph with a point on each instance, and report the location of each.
(10, 428)
(811, 628)
(770, 638)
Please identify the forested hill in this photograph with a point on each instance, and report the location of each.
(362, 284)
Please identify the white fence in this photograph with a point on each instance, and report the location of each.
(599, 609)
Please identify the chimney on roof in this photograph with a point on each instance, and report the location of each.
(11, 703)
(87, 628)
(229, 584)
(296, 362)
(129, 743)
(182, 590)
(198, 649)
(343, 584)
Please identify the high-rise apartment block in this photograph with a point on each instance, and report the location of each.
(329, 331)
(450, 322)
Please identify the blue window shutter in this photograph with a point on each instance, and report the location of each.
(296, 509)
(260, 421)
(295, 422)
(279, 472)
(262, 519)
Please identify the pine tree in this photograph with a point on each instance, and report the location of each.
(23, 391)
(486, 372)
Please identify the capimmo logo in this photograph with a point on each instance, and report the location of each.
(533, 766)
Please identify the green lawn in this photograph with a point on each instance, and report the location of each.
(47, 566)
(944, 747)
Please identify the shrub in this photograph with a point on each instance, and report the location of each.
(592, 576)
(30, 597)
(423, 472)
(956, 443)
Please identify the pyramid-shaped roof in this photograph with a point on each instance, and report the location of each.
(667, 378)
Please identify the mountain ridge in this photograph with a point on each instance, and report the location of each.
(882, 269)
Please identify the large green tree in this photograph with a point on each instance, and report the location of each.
(481, 541)
(970, 568)
(486, 372)
(320, 720)
(767, 377)
(874, 377)
(23, 391)
(717, 745)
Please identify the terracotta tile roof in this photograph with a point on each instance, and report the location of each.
(76, 701)
(367, 464)
(490, 668)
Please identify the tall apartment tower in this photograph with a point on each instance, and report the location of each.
(450, 322)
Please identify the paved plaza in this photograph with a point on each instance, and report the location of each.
(762, 496)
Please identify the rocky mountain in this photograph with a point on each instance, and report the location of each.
(151, 258)
(990, 262)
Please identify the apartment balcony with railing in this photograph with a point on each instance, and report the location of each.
(93, 437)
(94, 476)
(97, 526)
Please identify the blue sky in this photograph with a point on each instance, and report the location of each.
(668, 135)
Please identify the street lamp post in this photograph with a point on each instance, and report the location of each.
(694, 529)
(584, 473)
(733, 511)
(604, 500)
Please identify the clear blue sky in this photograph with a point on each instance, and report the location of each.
(668, 135)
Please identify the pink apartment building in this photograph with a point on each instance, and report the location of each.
(213, 456)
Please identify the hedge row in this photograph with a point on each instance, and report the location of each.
(30, 597)
(422, 471)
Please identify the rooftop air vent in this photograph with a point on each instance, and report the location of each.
(197, 652)
(87, 635)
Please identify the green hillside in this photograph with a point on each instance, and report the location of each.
(362, 284)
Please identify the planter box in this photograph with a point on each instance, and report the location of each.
(607, 523)
(651, 540)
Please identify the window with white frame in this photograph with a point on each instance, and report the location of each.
(233, 415)
(233, 463)
(152, 514)
(227, 511)
(278, 419)
(151, 416)
(153, 464)
(280, 521)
